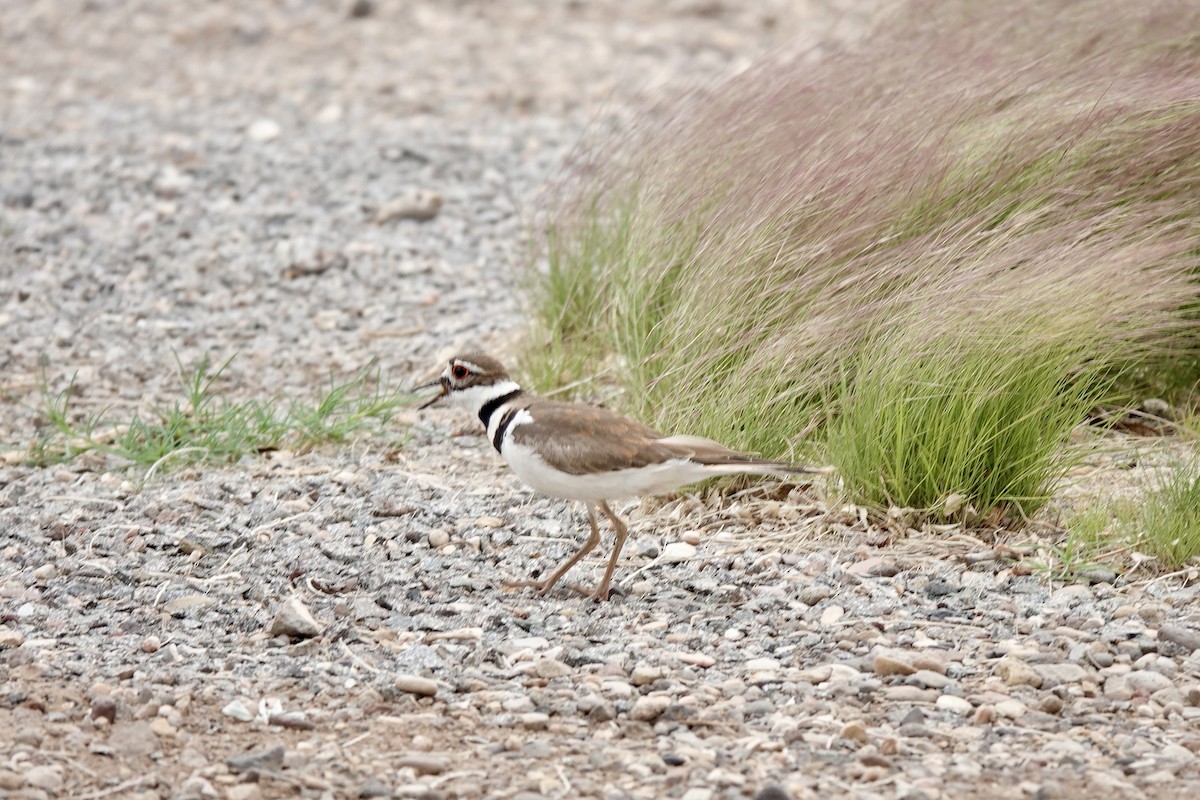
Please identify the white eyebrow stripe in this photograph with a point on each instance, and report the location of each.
(468, 365)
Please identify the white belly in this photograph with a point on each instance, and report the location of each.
(612, 485)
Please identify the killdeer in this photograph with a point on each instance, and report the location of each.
(582, 452)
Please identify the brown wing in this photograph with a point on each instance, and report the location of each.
(579, 439)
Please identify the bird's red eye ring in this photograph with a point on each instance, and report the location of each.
(460, 372)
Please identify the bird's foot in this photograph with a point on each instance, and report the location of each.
(599, 594)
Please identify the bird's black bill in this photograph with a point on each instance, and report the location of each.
(441, 384)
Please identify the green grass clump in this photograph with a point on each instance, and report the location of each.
(968, 427)
(990, 179)
(205, 426)
(1167, 522)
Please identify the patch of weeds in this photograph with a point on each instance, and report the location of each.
(982, 419)
(206, 426)
(1167, 522)
(1092, 537)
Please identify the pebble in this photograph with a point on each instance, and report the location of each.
(535, 720)
(1187, 638)
(1015, 672)
(132, 739)
(415, 684)
(423, 763)
(264, 130)
(11, 781)
(677, 553)
(1013, 709)
(48, 778)
(421, 205)
(183, 606)
(644, 675)
(439, 538)
(264, 759)
(772, 791)
(104, 706)
(1055, 674)
(702, 660)
(550, 668)
(813, 594)
(10, 639)
(293, 619)
(196, 788)
(237, 709)
(649, 707)
(831, 615)
(1147, 681)
(891, 665)
(855, 732)
(954, 704)
(691, 537)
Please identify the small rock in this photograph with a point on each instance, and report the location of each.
(1055, 674)
(649, 707)
(151, 644)
(374, 788)
(954, 704)
(439, 538)
(292, 720)
(269, 759)
(132, 739)
(196, 788)
(360, 9)
(702, 660)
(264, 130)
(831, 615)
(772, 791)
(415, 684)
(855, 732)
(10, 781)
(602, 712)
(162, 727)
(1187, 638)
(691, 537)
(104, 706)
(237, 709)
(929, 679)
(549, 668)
(181, 606)
(891, 665)
(243, 791)
(10, 639)
(423, 763)
(677, 553)
(1147, 681)
(535, 721)
(643, 675)
(1051, 704)
(1098, 574)
(763, 664)
(813, 594)
(293, 619)
(698, 793)
(939, 587)
(1013, 709)
(1015, 672)
(48, 778)
(421, 205)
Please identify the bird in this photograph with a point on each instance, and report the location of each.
(583, 452)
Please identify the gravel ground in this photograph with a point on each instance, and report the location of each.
(311, 185)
